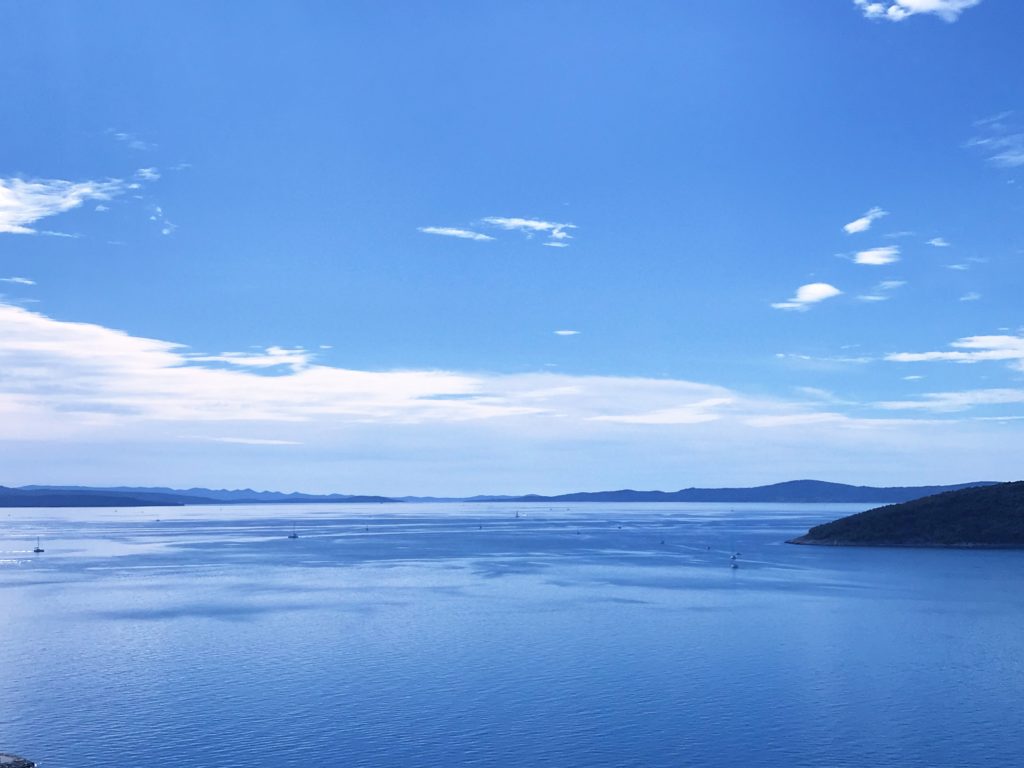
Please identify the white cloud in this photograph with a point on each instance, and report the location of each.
(955, 401)
(555, 244)
(880, 256)
(557, 232)
(465, 234)
(147, 174)
(807, 295)
(970, 296)
(882, 291)
(17, 280)
(898, 10)
(296, 359)
(972, 349)
(863, 224)
(938, 242)
(23, 203)
(567, 333)
(958, 267)
(691, 413)
(67, 378)
(88, 404)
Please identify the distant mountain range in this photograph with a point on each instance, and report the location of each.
(128, 496)
(792, 492)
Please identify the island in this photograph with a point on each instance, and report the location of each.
(990, 517)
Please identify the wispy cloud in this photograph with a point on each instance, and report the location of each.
(882, 291)
(148, 174)
(567, 333)
(132, 141)
(17, 280)
(970, 296)
(955, 401)
(167, 227)
(972, 349)
(1000, 139)
(863, 224)
(249, 441)
(23, 203)
(557, 232)
(886, 254)
(809, 294)
(691, 413)
(465, 234)
(898, 10)
(938, 242)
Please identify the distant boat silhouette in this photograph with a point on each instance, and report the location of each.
(734, 564)
(293, 534)
(38, 549)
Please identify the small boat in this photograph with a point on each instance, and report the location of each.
(734, 564)
(293, 534)
(38, 549)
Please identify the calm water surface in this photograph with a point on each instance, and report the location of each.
(458, 635)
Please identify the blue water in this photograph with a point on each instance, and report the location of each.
(457, 635)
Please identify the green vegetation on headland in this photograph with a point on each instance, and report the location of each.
(985, 517)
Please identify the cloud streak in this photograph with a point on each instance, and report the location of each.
(898, 10)
(557, 232)
(863, 224)
(971, 349)
(464, 234)
(23, 203)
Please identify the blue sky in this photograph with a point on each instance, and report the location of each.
(500, 247)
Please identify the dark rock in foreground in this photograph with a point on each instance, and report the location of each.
(988, 517)
(13, 761)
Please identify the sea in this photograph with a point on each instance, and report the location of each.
(499, 634)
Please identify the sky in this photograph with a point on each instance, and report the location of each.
(489, 247)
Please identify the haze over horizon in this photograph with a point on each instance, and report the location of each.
(413, 249)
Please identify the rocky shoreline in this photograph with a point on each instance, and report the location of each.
(13, 761)
(805, 541)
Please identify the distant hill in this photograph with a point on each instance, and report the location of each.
(127, 496)
(34, 497)
(989, 516)
(791, 492)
